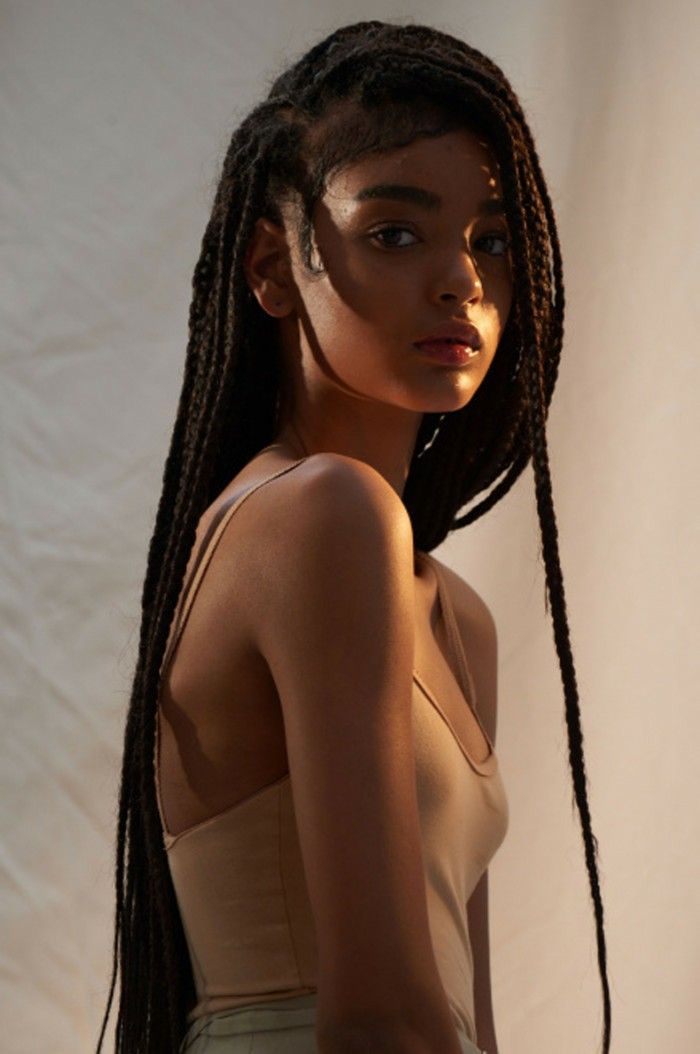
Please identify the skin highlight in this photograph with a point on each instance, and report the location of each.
(393, 270)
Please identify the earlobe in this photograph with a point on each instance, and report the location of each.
(276, 308)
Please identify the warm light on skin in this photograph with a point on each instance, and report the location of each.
(360, 387)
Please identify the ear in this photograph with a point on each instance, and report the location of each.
(267, 268)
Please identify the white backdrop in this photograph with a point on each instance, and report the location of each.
(115, 120)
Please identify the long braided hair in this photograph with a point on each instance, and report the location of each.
(368, 86)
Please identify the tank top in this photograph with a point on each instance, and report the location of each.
(239, 876)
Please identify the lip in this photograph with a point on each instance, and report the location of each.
(457, 331)
(449, 352)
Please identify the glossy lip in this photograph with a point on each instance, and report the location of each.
(460, 332)
(449, 353)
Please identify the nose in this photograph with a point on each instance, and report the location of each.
(464, 282)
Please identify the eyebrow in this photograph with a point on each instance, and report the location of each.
(420, 196)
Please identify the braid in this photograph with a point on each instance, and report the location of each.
(555, 586)
(367, 86)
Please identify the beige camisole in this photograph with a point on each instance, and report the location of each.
(239, 875)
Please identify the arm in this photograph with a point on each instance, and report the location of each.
(479, 639)
(333, 616)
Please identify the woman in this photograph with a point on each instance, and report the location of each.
(310, 791)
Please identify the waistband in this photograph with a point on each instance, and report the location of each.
(295, 1012)
(257, 1017)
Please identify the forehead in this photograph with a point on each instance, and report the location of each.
(457, 166)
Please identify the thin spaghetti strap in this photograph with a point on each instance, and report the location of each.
(454, 636)
(207, 549)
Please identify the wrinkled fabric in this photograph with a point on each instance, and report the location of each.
(288, 1028)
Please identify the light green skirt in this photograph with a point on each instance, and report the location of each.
(286, 1026)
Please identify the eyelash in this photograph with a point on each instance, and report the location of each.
(397, 227)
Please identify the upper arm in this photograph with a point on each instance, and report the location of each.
(336, 627)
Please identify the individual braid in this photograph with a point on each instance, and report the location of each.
(555, 589)
(367, 86)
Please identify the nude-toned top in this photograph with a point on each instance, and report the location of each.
(239, 876)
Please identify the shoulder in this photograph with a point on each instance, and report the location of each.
(478, 633)
(327, 521)
(344, 476)
(332, 521)
(333, 491)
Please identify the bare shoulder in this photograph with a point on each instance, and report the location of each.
(326, 492)
(310, 521)
(349, 479)
(343, 473)
(478, 633)
(332, 527)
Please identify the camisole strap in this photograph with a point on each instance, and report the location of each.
(455, 639)
(487, 765)
(206, 551)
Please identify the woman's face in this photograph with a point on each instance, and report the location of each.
(395, 267)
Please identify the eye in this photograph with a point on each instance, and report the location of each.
(390, 227)
(499, 237)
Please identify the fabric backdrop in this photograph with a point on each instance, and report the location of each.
(115, 118)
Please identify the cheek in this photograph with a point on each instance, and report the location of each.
(501, 296)
(352, 311)
(506, 304)
(344, 329)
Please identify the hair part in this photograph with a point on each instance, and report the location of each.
(367, 87)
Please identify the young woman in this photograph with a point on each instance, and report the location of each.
(310, 792)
